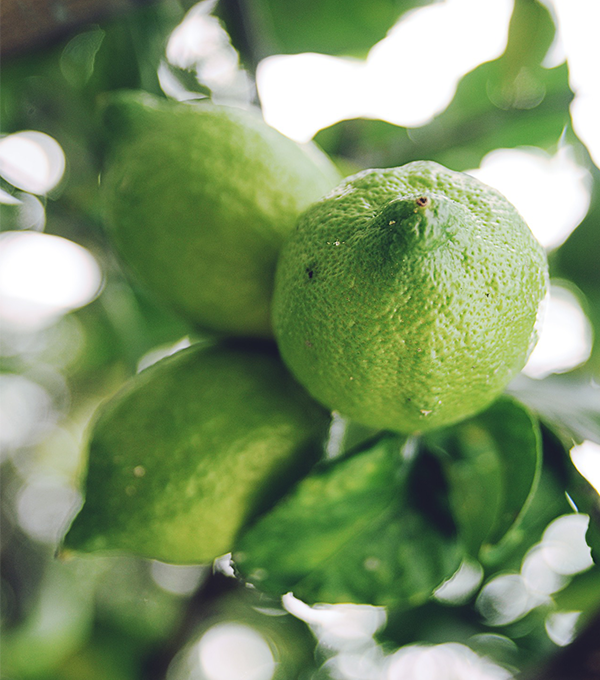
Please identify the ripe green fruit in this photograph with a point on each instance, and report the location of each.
(407, 298)
(190, 450)
(198, 200)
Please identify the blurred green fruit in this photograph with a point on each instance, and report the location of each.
(190, 450)
(198, 200)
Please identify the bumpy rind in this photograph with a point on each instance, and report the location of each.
(198, 200)
(407, 298)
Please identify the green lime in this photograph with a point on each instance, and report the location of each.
(190, 450)
(198, 200)
(407, 298)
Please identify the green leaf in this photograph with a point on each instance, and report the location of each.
(367, 529)
(509, 102)
(492, 464)
(582, 593)
(188, 80)
(325, 26)
(78, 57)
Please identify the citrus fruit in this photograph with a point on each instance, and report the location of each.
(190, 449)
(198, 200)
(407, 298)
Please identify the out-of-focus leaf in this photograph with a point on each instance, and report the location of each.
(188, 79)
(325, 26)
(59, 623)
(367, 529)
(107, 655)
(79, 55)
(464, 133)
(570, 407)
(509, 102)
(582, 593)
(492, 464)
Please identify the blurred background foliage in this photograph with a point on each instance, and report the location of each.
(130, 619)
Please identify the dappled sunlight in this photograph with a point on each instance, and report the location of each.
(234, 651)
(201, 46)
(505, 599)
(301, 94)
(561, 627)
(44, 506)
(27, 412)
(414, 71)
(339, 626)
(578, 24)
(362, 664)
(566, 336)
(586, 458)
(178, 579)
(227, 650)
(552, 193)
(481, 579)
(32, 161)
(22, 211)
(43, 277)
(442, 662)
(461, 585)
(563, 543)
(546, 568)
(408, 77)
(347, 631)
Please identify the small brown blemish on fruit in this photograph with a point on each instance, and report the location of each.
(423, 201)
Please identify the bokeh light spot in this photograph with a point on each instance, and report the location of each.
(233, 651)
(408, 77)
(32, 161)
(561, 627)
(43, 277)
(586, 458)
(22, 211)
(27, 411)
(339, 626)
(505, 599)
(564, 546)
(44, 507)
(552, 193)
(578, 24)
(461, 585)
(442, 662)
(200, 45)
(566, 336)
(177, 579)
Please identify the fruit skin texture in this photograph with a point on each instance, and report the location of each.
(407, 298)
(190, 449)
(198, 200)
